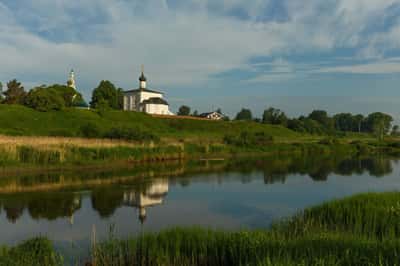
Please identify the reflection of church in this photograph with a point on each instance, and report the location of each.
(153, 195)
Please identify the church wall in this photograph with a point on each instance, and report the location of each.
(157, 109)
(144, 95)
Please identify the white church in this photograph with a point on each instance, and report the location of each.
(145, 100)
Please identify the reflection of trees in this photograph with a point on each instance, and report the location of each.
(41, 205)
(13, 211)
(107, 200)
(377, 166)
(54, 205)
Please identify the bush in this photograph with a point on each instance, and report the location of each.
(90, 130)
(61, 133)
(44, 99)
(38, 251)
(134, 134)
(329, 141)
(249, 139)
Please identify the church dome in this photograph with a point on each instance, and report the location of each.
(142, 77)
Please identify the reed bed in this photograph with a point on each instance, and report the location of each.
(12, 141)
(362, 230)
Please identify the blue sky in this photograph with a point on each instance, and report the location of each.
(338, 55)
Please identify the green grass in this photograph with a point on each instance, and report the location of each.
(34, 252)
(20, 120)
(360, 230)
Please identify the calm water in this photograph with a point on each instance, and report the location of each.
(220, 194)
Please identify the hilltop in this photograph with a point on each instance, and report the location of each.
(17, 120)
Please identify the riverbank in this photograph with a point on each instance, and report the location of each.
(18, 154)
(75, 138)
(360, 230)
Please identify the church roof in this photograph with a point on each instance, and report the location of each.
(209, 113)
(142, 77)
(145, 90)
(155, 100)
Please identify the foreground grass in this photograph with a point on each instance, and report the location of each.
(34, 252)
(361, 230)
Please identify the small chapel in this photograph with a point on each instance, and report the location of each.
(145, 100)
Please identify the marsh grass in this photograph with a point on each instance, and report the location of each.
(34, 252)
(362, 230)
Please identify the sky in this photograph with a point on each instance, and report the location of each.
(336, 55)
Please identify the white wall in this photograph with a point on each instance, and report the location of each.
(144, 95)
(157, 109)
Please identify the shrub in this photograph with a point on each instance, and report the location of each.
(61, 132)
(90, 130)
(38, 251)
(44, 99)
(134, 134)
(329, 141)
(249, 139)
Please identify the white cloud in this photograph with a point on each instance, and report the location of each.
(379, 67)
(180, 45)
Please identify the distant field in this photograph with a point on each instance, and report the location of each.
(22, 121)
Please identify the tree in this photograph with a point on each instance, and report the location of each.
(105, 93)
(195, 113)
(358, 120)
(120, 93)
(44, 99)
(274, 116)
(1, 92)
(244, 114)
(379, 124)
(344, 122)
(322, 117)
(70, 96)
(395, 130)
(184, 110)
(15, 93)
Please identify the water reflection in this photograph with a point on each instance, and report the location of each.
(52, 196)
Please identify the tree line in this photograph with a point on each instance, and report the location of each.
(56, 97)
(319, 122)
(107, 96)
(42, 98)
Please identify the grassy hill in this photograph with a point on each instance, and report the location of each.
(22, 121)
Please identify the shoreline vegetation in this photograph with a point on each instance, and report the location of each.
(360, 230)
(75, 138)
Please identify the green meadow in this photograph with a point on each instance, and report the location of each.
(360, 230)
(18, 120)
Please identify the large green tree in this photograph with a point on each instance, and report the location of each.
(105, 95)
(54, 97)
(358, 122)
(15, 93)
(344, 122)
(274, 116)
(322, 117)
(244, 114)
(184, 110)
(44, 99)
(379, 124)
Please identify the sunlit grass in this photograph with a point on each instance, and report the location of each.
(362, 230)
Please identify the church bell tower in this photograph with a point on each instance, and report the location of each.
(71, 80)
(142, 80)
